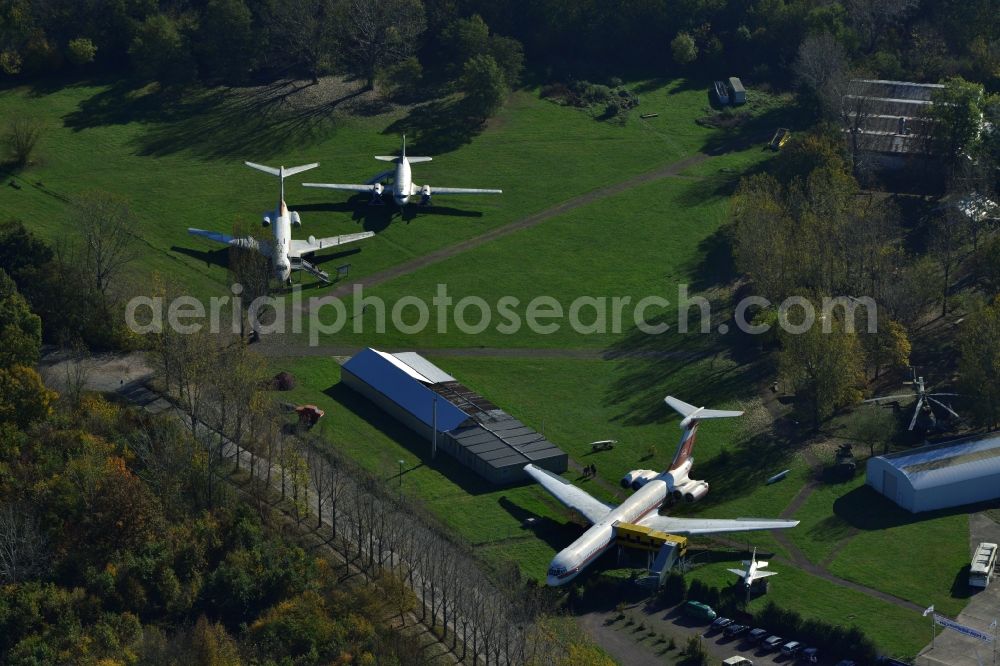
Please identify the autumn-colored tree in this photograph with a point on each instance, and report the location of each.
(20, 328)
(23, 397)
(979, 362)
(824, 369)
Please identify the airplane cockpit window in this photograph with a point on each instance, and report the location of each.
(557, 571)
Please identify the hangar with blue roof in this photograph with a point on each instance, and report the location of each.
(940, 476)
(469, 427)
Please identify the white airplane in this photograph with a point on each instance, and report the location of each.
(403, 186)
(286, 254)
(752, 571)
(652, 490)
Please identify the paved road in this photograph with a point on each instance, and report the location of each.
(951, 648)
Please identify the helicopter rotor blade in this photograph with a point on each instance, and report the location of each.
(916, 413)
(946, 407)
(890, 397)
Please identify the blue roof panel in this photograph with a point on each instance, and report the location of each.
(407, 392)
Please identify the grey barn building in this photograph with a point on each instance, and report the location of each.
(469, 427)
(888, 121)
(940, 476)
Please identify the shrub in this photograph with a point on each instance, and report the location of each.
(81, 51)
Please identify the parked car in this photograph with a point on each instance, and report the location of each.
(734, 630)
(791, 648)
(720, 623)
(757, 635)
(809, 655)
(737, 661)
(699, 611)
(772, 643)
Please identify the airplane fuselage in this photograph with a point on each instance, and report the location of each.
(281, 227)
(402, 182)
(570, 561)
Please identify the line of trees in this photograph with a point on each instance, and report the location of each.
(220, 385)
(230, 41)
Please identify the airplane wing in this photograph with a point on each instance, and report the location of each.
(575, 498)
(764, 574)
(685, 409)
(244, 242)
(459, 190)
(350, 187)
(301, 247)
(738, 572)
(713, 525)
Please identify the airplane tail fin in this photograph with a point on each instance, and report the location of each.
(282, 173)
(402, 155)
(692, 417)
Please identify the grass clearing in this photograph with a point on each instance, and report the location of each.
(178, 159)
(900, 633)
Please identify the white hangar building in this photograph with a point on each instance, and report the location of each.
(940, 476)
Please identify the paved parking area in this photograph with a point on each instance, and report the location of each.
(951, 648)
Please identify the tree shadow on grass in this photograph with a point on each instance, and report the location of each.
(215, 122)
(439, 126)
(739, 469)
(648, 363)
(756, 130)
(417, 446)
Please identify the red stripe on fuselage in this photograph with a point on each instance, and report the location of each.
(684, 451)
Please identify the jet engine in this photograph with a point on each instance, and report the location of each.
(425, 195)
(637, 478)
(296, 220)
(266, 222)
(377, 190)
(693, 490)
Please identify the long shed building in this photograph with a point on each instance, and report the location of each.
(939, 476)
(469, 427)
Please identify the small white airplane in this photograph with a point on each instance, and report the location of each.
(752, 571)
(285, 253)
(652, 490)
(403, 186)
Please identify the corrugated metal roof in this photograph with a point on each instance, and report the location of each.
(948, 463)
(897, 89)
(404, 386)
(433, 373)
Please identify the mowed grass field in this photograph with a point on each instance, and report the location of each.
(179, 161)
(576, 401)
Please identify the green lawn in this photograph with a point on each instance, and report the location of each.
(179, 161)
(898, 632)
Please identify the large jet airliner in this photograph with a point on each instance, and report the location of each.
(652, 490)
(403, 186)
(286, 254)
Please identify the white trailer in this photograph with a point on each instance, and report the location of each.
(983, 562)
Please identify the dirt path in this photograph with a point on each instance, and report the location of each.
(535, 219)
(278, 347)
